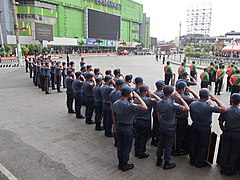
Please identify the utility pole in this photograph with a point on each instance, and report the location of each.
(19, 50)
(180, 29)
(117, 42)
(1, 33)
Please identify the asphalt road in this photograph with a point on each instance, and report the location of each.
(39, 140)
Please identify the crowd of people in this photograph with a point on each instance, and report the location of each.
(125, 108)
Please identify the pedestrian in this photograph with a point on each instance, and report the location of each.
(106, 89)
(230, 125)
(159, 92)
(58, 70)
(204, 76)
(201, 114)
(193, 70)
(219, 80)
(166, 110)
(168, 73)
(98, 103)
(123, 117)
(235, 82)
(157, 57)
(143, 121)
(163, 61)
(88, 97)
(182, 116)
(181, 70)
(70, 94)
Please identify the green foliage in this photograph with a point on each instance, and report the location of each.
(33, 48)
(197, 54)
(206, 47)
(25, 50)
(8, 48)
(217, 47)
(45, 50)
(2, 54)
(188, 49)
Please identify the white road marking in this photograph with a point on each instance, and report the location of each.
(7, 173)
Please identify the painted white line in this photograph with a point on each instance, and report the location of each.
(7, 173)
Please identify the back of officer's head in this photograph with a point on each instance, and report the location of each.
(128, 77)
(78, 74)
(235, 99)
(126, 91)
(83, 68)
(160, 85)
(89, 76)
(107, 79)
(119, 83)
(139, 80)
(108, 72)
(168, 90)
(204, 93)
(193, 62)
(184, 75)
(181, 86)
(96, 70)
(98, 80)
(143, 89)
(116, 72)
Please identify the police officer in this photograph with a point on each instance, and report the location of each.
(47, 77)
(201, 114)
(64, 73)
(138, 82)
(70, 93)
(230, 125)
(30, 67)
(219, 80)
(143, 121)
(26, 64)
(72, 66)
(204, 76)
(117, 74)
(128, 80)
(166, 109)
(106, 89)
(98, 73)
(83, 70)
(42, 76)
(90, 69)
(88, 97)
(109, 72)
(163, 61)
(168, 73)
(52, 70)
(189, 80)
(182, 116)
(159, 92)
(77, 86)
(123, 117)
(82, 62)
(34, 68)
(98, 103)
(58, 76)
(235, 82)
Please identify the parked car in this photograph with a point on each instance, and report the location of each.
(149, 53)
(123, 52)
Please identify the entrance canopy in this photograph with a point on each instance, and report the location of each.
(231, 48)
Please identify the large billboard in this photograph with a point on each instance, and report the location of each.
(43, 32)
(103, 25)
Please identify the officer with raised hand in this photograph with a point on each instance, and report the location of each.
(83, 70)
(52, 70)
(77, 86)
(159, 92)
(72, 66)
(230, 125)
(128, 80)
(70, 93)
(106, 89)
(189, 80)
(166, 110)
(58, 76)
(98, 103)
(98, 73)
(143, 121)
(117, 74)
(90, 69)
(88, 97)
(138, 82)
(201, 115)
(123, 117)
(182, 116)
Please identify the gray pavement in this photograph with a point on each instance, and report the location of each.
(39, 140)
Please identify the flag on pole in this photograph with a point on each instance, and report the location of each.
(24, 27)
(220, 44)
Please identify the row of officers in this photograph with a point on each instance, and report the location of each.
(125, 106)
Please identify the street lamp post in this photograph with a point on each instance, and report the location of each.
(1, 33)
(19, 50)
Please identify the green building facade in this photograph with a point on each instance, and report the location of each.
(67, 16)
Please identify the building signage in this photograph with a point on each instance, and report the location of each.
(91, 42)
(109, 43)
(43, 32)
(107, 3)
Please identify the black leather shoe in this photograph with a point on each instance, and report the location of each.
(71, 111)
(223, 170)
(90, 122)
(142, 156)
(109, 134)
(159, 162)
(192, 162)
(198, 165)
(126, 167)
(48, 93)
(120, 166)
(99, 128)
(60, 91)
(168, 165)
(81, 116)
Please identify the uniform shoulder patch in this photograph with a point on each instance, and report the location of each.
(212, 105)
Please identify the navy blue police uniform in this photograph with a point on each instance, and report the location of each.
(52, 70)
(34, 68)
(64, 73)
(47, 79)
(69, 92)
(30, 68)
(58, 77)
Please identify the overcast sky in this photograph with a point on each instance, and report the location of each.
(167, 14)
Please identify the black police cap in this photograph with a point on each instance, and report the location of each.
(235, 97)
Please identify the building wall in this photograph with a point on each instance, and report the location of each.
(145, 31)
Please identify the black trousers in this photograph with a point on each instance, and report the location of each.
(228, 88)
(193, 73)
(204, 84)
(98, 113)
(30, 73)
(89, 108)
(78, 104)
(47, 79)
(230, 149)
(211, 79)
(53, 80)
(58, 81)
(235, 89)
(42, 81)
(34, 77)
(142, 134)
(26, 67)
(167, 78)
(70, 97)
(63, 77)
(182, 124)
(199, 141)
(218, 86)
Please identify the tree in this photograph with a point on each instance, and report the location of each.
(217, 47)
(206, 47)
(8, 49)
(45, 50)
(25, 50)
(34, 49)
(188, 49)
(81, 43)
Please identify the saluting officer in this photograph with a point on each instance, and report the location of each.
(52, 70)
(128, 80)
(117, 74)
(182, 116)
(98, 103)
(88, 97)
(230, 125)
(123, 117)
(143, 121)
(201, 114)
(58, 76)
(70, 93)
(138, 82)
(166, 110)
(159, 92)
(47, 77)
(77, 86)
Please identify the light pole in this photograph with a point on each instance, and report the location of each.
(1, 29)
(19, 50)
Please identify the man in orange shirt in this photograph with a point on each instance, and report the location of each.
(229, 72)
(168, 73)
(219, 80)
(235, 82)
